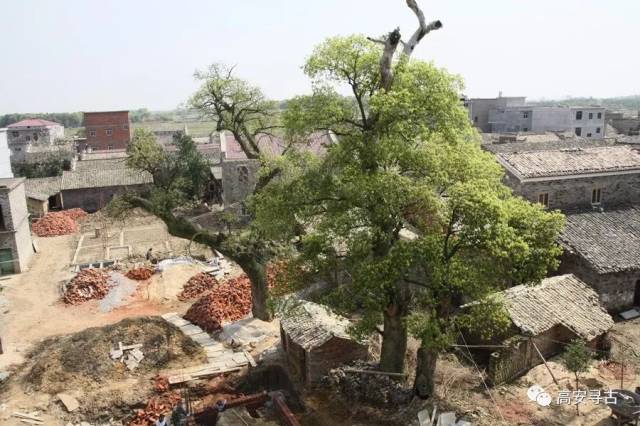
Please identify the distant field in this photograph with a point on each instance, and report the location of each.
(195, 128)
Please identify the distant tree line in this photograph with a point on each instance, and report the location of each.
(67, 119)
(617, 103)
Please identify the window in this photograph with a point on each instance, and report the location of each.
(109, 147)
(590, 116)
(243, 175)
(109, 132)
(544, 199)
(599, 115)
(35, 137)
(578, 115)
(588, 135)
(27, 138)
(525, 114)
(125, 126)
(596, 195)
(92, 133)
(525, 129)
(15, 134)
(578, 131)
(597, 129)
(2, 226)
(475, 119)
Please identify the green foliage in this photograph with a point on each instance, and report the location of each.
(616, 103)
(180, 177)
(67, 119)
(407, 159)
(54, 165)
(577, 357)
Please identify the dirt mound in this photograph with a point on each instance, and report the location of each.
(81, 360)
(140, 274)
(229, 301)
(58, 223)
(88, 284)
(196, 286)
(373, 389)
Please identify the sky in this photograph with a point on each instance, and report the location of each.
(87, 55)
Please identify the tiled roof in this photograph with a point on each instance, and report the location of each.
(551, 145)
(103, 178)
(311, 325)
(39, 187)
(562, 300)
(609, 241)
(33, 122)
(572, 161)
(106, 164)
(273, 145)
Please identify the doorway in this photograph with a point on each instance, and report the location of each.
(6, 262)
(636, 295)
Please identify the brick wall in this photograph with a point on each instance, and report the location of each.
(107, 130)
(93, 199)
(576, 193)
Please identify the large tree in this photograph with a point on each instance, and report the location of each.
(407, 160)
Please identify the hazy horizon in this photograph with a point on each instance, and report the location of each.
(75, 56)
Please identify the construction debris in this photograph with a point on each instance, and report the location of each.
(69, 402)
(140, 274)
(131, 355)
(58, 223)
(229, 301)
(88, 284)
(374, 389)
(157, 405)
(27, 418)
(197, 285)
(160, 384)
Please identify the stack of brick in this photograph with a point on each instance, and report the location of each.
(229, 301)
(157, 405)
(58, 223)
(196, 286)
(140, 274)
(88, 284)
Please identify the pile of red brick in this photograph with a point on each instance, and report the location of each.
(229, 301)
(162, 404)
(140, 274)
(58, 223)
(196, 286)
(88, 284)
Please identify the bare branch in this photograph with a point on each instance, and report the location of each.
(422, 30)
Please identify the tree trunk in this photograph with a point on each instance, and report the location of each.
(257, 273)
(394, 340)
(424, 386)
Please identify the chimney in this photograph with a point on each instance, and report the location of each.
(500, 94)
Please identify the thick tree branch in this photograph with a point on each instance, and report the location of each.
(422, 30)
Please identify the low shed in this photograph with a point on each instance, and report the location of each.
(544, 319)
(315, 340)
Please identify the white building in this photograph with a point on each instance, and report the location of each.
(32, 134)
(5, 156)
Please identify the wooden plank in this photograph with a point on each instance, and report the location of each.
(250, 358)
(26, 416)
(382, 373)
(545, 362)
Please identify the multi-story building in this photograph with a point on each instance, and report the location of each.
(33, 134)
(513, 115)
(106, 130)
(16, 247)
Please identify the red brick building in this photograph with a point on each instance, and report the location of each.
(107, 130)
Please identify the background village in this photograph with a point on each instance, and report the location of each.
(109, 317)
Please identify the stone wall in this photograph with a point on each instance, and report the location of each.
(238, 180)
(616, 290)
(93, 199)
(576, 193)
(16, 234)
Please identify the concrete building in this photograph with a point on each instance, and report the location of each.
(624, 123)
(16, 247)
(544, 318)
(32, 135)
(513, 115)
(106, 130)
(575, 178)
(5, 156)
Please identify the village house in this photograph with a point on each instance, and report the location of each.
(624, 123)
(16, 247)
(106, 130)
(5, 154)
(512, 115)
(89, 186)
(315, 340)
(33, 134)
(568, 178)
(603, 249)
(544, 318)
